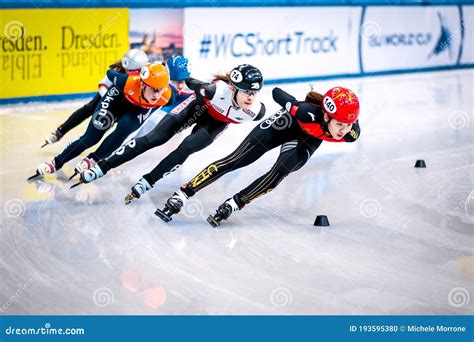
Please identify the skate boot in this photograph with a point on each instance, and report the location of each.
(137, 190)
(89, 175)
(44, 168)
(84, 164)
(173, 206)
(52, 138)
(223, 212)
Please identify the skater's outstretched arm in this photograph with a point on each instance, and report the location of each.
(261, 113)
(118, 79)
(302, 110)
(104, 85)
(282, 97)
(202, 88)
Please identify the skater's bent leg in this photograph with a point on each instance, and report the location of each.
(79, 115)
(91, 137)
(292, 159)
(200, 138)
(163, 132)
(126, 124)
(256, 144)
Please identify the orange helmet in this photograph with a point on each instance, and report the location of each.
(155, 75)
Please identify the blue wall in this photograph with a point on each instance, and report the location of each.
(215, 3)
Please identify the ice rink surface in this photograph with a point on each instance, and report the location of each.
(400, 240)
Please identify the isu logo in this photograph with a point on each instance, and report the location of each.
(113, 91)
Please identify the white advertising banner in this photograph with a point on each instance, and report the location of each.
(284, 43)
(467, 55)
(401, 38)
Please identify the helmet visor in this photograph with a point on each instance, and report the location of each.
(248, 92)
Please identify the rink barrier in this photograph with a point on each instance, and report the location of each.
(432, 35)
(281, 47)
(65, 97)
(344, 41)
(48, 98)
(467, 33)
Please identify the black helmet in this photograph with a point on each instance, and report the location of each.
(246, 77)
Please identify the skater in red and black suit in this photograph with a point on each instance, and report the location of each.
(298, 128)
(229, 99)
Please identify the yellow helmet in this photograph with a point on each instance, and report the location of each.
(155, 75)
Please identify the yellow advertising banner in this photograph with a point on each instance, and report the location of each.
(59, 51)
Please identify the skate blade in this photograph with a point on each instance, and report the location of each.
(213, 222)
(74, 185)
(74, 175)
(162, 215)
(37, 174)
(46, 143)
(129, 198)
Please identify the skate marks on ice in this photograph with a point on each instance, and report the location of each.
(399, 242)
